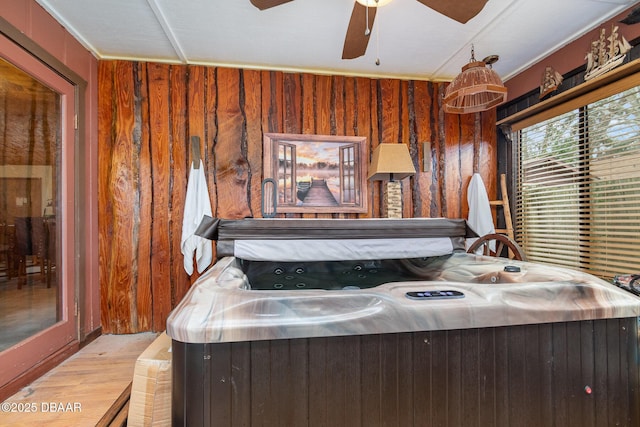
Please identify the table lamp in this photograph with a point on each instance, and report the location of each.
(391, 163)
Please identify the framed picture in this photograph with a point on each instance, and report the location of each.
(316, 173)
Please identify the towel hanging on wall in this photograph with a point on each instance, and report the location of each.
(480, 218)
(197, 205)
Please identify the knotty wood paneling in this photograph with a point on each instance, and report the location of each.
(231, 165)
(184, 91)
(160, 107)
(148, 112)
(253, 112)
(144, 281)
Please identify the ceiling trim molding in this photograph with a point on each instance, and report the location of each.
(302, 70)
(166, 28)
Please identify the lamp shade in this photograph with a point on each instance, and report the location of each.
(391, 161)
(476, 88)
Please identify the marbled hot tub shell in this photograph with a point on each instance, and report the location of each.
(527, 344)
(222, 306)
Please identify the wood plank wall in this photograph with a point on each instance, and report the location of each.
(148, 111)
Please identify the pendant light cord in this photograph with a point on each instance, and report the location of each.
(367, 30)
(378, 39)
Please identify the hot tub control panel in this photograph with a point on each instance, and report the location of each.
(434, 294)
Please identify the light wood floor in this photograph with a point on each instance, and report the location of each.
(79, 391)
(26, 311)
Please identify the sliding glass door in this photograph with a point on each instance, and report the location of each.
(37, 287)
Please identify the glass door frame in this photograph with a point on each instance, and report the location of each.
(30, 352)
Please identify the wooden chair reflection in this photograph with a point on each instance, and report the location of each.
(34, 243)
(7, 248)
(501, 241)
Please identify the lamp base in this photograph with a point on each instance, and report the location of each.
(392, 200)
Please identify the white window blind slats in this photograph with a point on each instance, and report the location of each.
(578, 203)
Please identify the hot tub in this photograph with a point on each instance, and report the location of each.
(390, 322)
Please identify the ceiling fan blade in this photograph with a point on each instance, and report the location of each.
(355, 42)
(461, 10)
(266, 4)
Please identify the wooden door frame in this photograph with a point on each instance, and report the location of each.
(18, 49)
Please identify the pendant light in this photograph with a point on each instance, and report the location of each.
(476, 88)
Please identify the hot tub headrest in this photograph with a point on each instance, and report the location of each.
(334, 239)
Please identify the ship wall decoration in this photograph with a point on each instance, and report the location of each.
(551, 79)
(606, 53)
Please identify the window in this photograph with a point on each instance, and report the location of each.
(578, 203)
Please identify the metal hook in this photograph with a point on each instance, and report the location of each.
(268, 204)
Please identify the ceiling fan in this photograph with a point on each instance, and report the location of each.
(358, 32)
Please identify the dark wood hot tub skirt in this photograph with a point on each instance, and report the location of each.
(560, 374)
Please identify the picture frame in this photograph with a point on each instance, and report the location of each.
(317, 173)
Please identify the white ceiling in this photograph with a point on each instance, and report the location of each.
(412, 41)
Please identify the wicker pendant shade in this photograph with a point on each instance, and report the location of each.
(476, 88)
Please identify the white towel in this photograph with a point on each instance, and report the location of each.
(197, 204)
(480, 218)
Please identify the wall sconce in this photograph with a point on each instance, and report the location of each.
(391, 163)
(477, 88)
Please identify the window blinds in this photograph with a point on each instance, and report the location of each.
(578, 203)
